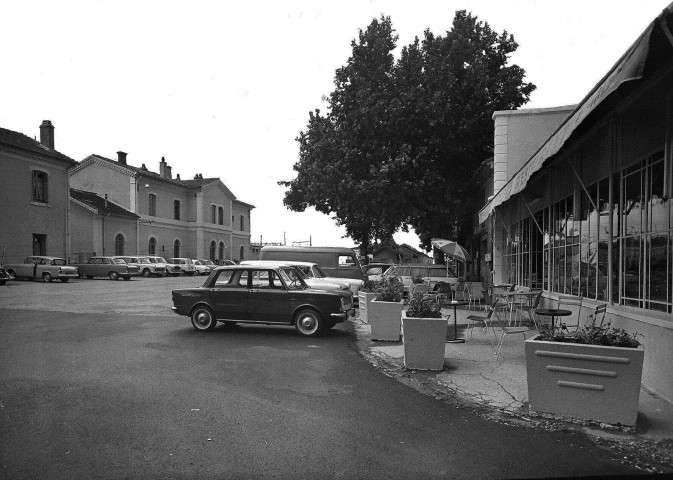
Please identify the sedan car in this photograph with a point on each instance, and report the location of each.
(202, 268)
(145, 267)
(107, 267)
(265, 293)
(312, 282)
(186, 265)
(46, 268)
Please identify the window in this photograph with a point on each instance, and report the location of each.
(176, 248)
(152, 246)
(346, 260)
(213, 247)
(40, 186)
(242, 251)
(152, 199)
(213, 215)
(176, 210)
(220, 217)
(119, 244)
(221, 251)
(242, 223)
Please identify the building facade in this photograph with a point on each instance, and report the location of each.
(197, 218)
(589, 213)
(33, 195)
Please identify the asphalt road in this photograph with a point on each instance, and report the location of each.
(92, 394)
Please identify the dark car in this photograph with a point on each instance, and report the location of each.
(262, 293)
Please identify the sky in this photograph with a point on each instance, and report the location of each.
(223, 88)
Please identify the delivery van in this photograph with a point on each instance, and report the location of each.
(335, 261)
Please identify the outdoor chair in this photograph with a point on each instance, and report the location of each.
(531, 308)
(509, 331)
(418, 288)
(570, 301)
(443, 292)
(461, 292)
(599, 311)
(495, 302)
(476, 294)
(485, 320)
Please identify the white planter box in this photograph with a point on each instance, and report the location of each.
(424, 342)
(364, 300)
(385, 319)
(590, 382)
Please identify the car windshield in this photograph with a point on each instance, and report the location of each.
(118, 261)
(292, 278)
(208, 262)
(306, 270)
(160, 260)
(318, 272)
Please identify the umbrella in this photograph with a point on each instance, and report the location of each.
(451, 249)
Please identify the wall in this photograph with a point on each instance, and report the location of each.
(104, 180)
(81, 233)
(20, 218)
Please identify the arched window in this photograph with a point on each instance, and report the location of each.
(119, 244)
(213, 247)
(152, 246)
(221, 252)
(242, 252)
(176, 248)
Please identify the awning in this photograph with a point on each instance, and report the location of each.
(629, 67)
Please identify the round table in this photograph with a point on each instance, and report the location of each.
(553, 313)
(454, 304)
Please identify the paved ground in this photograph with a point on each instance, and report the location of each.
(115, 395)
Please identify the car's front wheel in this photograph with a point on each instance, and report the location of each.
(203, 319)
(308, 322)
(113, 276)
(146, 273)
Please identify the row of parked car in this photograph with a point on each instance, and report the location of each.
(114, 267)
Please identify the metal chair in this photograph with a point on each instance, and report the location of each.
(485, 320)
(476, 294)
(530, 309)
(443, 292)
(509, 331)
(599, 311)
(570, 301)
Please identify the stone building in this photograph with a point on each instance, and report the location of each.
(33, 195)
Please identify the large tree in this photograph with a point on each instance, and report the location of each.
(401, 140)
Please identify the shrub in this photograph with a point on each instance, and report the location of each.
(417, 280)
(370, 286)
(423, 306)
(597, 335)
(389, 289)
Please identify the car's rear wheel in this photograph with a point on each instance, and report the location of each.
(146, 272)
(46, 276)
(113, 276)
(203, 319)
(308, 322)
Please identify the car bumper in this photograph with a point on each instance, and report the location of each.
(343, 316)
(67, 275)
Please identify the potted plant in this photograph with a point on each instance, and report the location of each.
(592, 374)
(424, 333)
(384, 311)
(365, 295)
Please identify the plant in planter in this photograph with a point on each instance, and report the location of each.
(424, 333)
(592, 374)
(385, 309)
(365, 295)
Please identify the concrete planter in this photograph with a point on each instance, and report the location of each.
(424, 342)
(364, 299)
(589, 382)
(384, 317)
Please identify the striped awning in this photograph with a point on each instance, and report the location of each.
(629, 67)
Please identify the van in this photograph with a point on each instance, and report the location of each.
(335, 261)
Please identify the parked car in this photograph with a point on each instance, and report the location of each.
(313, 272)
(431, 274)
(46, 268)
(107, 267)
(375, 271)
(169, 268)
(265, 293)
(202, 268)
(4, 276)
(185, 265)
(312, 282)
(145, 267)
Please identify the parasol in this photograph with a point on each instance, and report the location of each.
(451, 249)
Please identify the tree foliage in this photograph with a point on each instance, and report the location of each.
(402, 139)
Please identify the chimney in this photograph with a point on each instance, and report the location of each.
(143, 167)
(47, 134)
(164, 169)
(177, 177)
(121, 157)
(106, 200)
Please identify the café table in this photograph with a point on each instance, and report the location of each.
(455, 304)
(553, 313)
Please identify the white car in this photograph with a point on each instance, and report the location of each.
(184, 265)
(319, 283)
(314, 272)
(202, 268)
(145, 266)
(169, 268)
